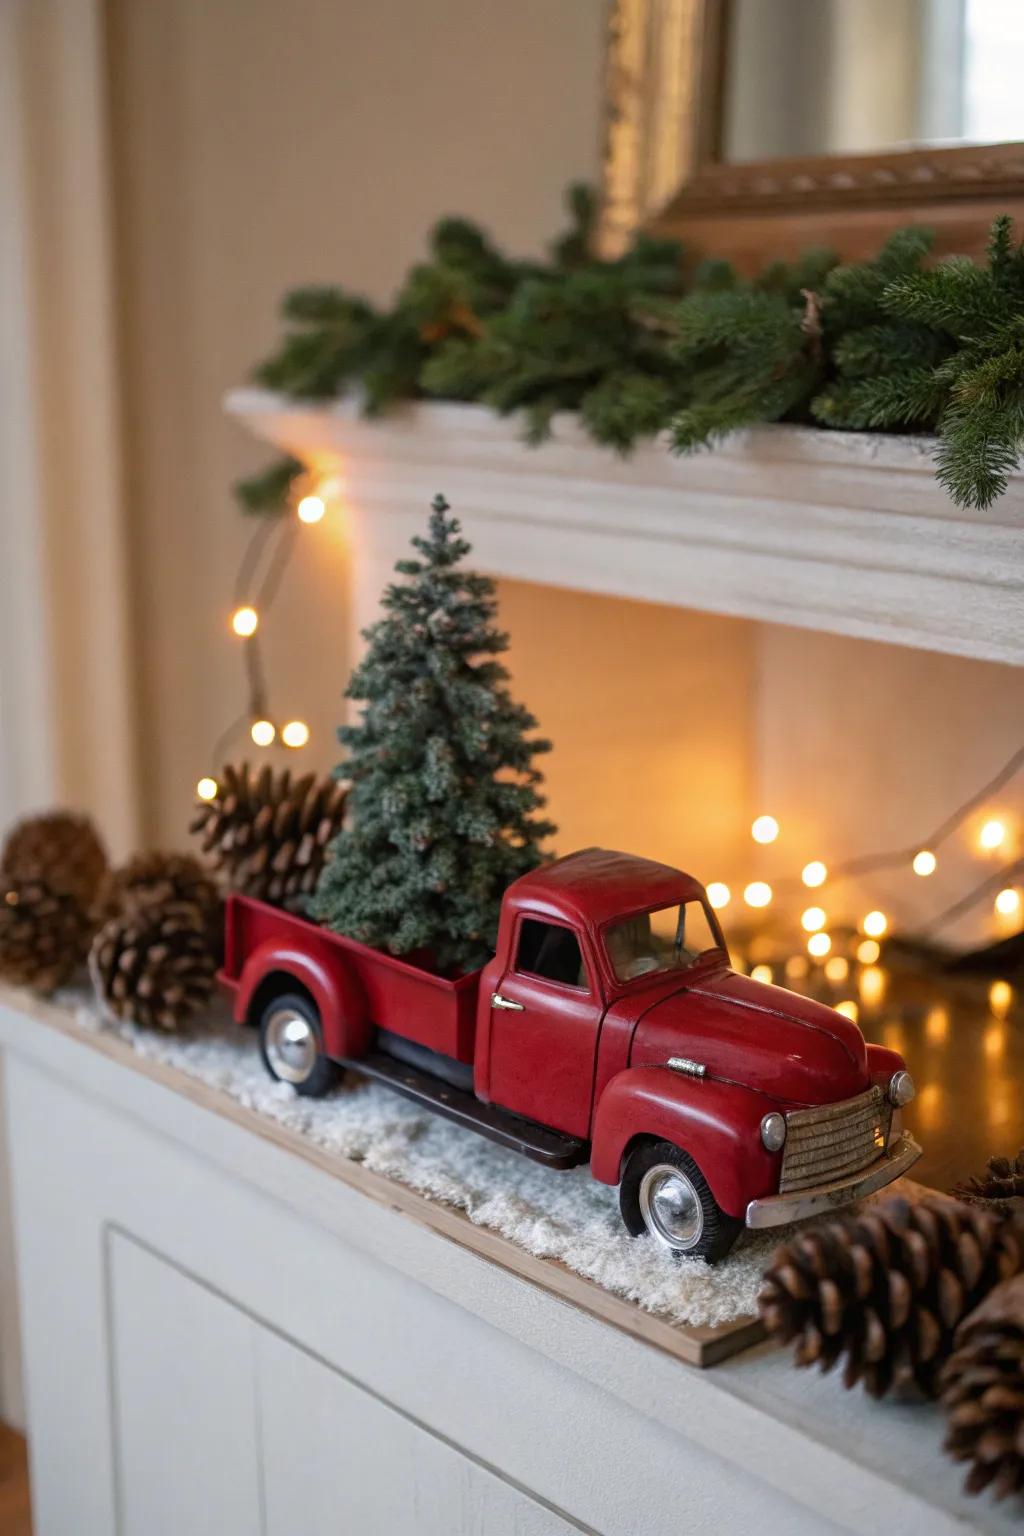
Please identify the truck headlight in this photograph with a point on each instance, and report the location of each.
(901, 1089)
(773, 1131)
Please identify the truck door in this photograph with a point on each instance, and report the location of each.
(544, 1022)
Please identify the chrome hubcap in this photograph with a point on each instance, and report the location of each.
(291, 1045)
(670, 1208)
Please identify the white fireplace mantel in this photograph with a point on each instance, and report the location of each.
(846, 533)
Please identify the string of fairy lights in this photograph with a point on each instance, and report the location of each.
(260, 574)
(257, 583)
(994, 834)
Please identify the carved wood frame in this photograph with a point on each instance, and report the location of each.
(663, 87)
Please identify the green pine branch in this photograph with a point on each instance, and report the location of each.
(641, 345)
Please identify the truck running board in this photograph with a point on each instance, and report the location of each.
(553, 1148)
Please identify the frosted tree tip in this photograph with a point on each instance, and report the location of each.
(439, 504)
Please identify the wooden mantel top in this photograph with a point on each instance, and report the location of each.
(843, 532)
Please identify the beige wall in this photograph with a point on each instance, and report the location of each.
(258, 146)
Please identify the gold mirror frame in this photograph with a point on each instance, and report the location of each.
(661, 172)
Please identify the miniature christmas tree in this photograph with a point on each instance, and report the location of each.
(444, 795)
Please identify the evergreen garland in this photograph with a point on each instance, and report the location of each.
(444, 795)
(643, 344)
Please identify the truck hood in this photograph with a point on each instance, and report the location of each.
(788, 1047)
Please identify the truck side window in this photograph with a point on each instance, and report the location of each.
(551, 951)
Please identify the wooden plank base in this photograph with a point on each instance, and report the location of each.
(15, 1500)
(695, 1345)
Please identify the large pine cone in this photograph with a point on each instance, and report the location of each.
(887, 1288)
(44, 934)
(62, 850)
(163, 878)
(1000, 1187)
(983, 1392)
(267, 834)
(154, 964)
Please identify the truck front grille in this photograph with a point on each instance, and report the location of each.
(834, 1141)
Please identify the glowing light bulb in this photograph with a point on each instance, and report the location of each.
(992, 835)
(245, 621)
(924, 862)
(837, 968)
(206, 789)
(758, 893)
(761, 973)
(295, 733)
(875, 924)
(719, 895)
(814, 874)
(813, 919)
(848, 1008)
(1008, 901)
(1000, 996)
(872, 985)
(819, 945)
(936, 1024)
(262, 732)
(765, 829)
(311, 509)
(868, 951)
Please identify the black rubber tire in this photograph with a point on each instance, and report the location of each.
(326, 1074)
(718, 1232)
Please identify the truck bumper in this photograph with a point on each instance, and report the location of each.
(776, 1210)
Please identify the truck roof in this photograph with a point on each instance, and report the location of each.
(596, 885)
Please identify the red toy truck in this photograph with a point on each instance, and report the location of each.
(608, 1028)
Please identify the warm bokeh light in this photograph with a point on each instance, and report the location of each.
(875, 924)
(819, 945)
(936, 1024)
(245, 621)
(812, 919)
(837, 968)
(814, 874)
(928, 1108)
(993, 1041)
(797, 968)
(1000, 996)
(761, 973)
(262, 732)
(992, 835)
(295, 733)
(849, 1008)
(765, 829)
(872, 983)
(206, 789)
(311, 509)
(1008, 901)
(758, 893)
(925, 862)
(719, 895)
(868, 951)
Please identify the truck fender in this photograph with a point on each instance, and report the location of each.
(718, 1124)
(334, 989)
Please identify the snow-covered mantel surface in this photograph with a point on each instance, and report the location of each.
(847, 533)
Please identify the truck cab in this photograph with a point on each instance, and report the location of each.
(611, 1012)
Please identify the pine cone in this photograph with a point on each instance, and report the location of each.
(269, 835)
(163, 878)
(1000, 1188)
(154, 964)
(61, 850)
(983, 1392)
(887, 1288)
(44, 934)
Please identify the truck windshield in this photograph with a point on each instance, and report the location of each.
(670, 938)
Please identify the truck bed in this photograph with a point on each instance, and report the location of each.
(438, 1012)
